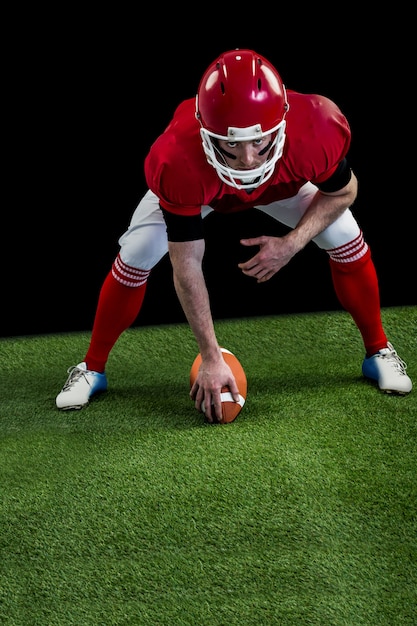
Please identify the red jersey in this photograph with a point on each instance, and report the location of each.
(176, 170)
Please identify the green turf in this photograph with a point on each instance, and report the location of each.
(134, 511)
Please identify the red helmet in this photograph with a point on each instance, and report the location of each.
(241, 97)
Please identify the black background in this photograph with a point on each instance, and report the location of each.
(85, 96)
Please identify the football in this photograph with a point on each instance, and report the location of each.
(230, 408)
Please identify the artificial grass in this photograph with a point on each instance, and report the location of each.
(134, 511)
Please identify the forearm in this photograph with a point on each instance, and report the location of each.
(323, 211)
(192, 293)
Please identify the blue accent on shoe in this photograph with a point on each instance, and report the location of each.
(369, 368)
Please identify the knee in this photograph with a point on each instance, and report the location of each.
(341, 232)
(128, 275)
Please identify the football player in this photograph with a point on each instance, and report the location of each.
(244, 141)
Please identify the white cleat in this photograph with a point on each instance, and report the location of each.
(81, 385)
(388, 370)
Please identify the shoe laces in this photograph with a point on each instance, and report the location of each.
(75, 373)
(390, 355)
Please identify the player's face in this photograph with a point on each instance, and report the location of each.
(245, 155)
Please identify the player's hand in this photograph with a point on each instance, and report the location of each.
(274, 253)
(211, 378)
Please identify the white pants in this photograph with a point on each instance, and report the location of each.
(145, 241)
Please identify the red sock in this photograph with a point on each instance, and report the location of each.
(356, 286)
(118, 307)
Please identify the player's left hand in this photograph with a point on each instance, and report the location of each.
(274, 253)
